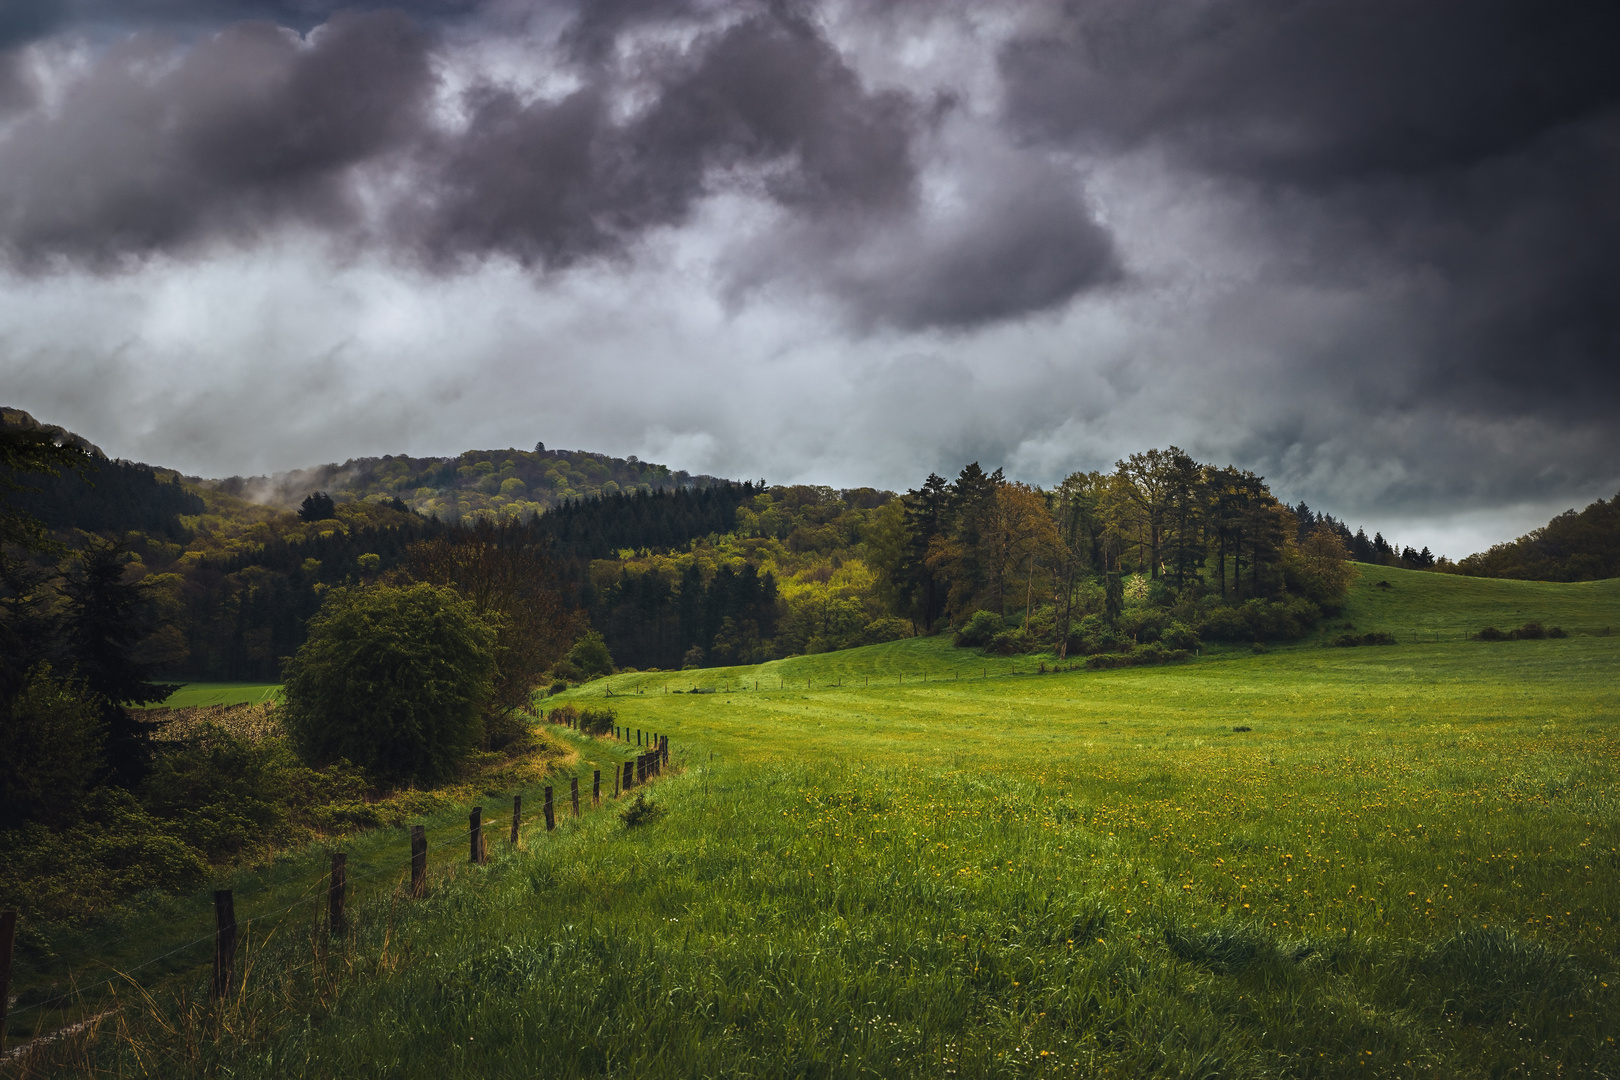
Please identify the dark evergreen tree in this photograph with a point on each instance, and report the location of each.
(103, 620)
(318, 506)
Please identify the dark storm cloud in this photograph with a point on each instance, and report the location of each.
(157, 151)
(1317, 92)
(27, 20)
(165, 146)
(1474, 148)
(552, 181)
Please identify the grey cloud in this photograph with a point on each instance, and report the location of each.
(554, 181)
(248, 130)
(1316, 92)
(165, 147)
(1469, 149)
(1027, 244)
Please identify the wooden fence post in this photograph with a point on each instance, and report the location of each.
(551, 818)
(616, 772)
(517, 817)
(475, 834)
(224, 944)
(334, 893)
(418, 860)
(8, 943)
(596, 788)
(629, 773)
(573, 793)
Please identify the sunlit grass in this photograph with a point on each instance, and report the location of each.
(202, 694)
(1404, 866)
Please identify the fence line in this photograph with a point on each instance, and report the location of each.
(337, 884)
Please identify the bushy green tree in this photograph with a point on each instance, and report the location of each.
(50, 749)
(393, 679)
(590, 655)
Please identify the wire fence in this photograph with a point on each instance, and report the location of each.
(333, 889)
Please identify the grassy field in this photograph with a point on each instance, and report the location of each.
(1384, 861)
(194, 695)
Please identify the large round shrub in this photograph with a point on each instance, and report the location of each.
(393, 679)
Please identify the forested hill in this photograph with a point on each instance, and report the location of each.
(1582, 546)
(106, 495)
(507, 482)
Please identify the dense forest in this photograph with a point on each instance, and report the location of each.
(507, 483)
(675, 571)
(1573, 546)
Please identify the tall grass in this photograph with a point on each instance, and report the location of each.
(1403, 868)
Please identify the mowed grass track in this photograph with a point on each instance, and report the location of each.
(1406, 867)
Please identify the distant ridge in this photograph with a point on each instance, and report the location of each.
(505, 482)
(20, 418)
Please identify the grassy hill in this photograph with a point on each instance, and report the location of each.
(1312, 862)
(1453, 606)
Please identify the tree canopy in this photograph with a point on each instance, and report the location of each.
(392, 679)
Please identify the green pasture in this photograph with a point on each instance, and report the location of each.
(193, 695)
(1313, 862)
(1422, 605)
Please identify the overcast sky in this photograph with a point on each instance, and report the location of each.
(1366, 248)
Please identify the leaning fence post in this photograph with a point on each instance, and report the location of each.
(596, 788)
(8, 942)
(334, 893)
(573, 793)
(475, 834)
(224, 943)
(517, 817)
(418, 860)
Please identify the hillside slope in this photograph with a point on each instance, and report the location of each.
(1451, 605)
(510, 481)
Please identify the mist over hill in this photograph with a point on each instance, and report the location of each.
(504, 482)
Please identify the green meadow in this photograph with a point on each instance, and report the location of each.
(204, 694)
(909, 860)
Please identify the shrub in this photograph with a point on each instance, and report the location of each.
(590, 655)
(1376, 637)
(1008, 643)
(1261, 620)
(1178, 635)
(1556, 632)
(1140, 656)
(392, 679)
(558, 687)
(50, 749)
(640, 812)
(224, 795)
(597, 719)
(564, 672)
(1490, 633)
(981, 627)
(1142, 624)
(887, 628)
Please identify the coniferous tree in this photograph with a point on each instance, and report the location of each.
(318, 506)
(103, 620)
